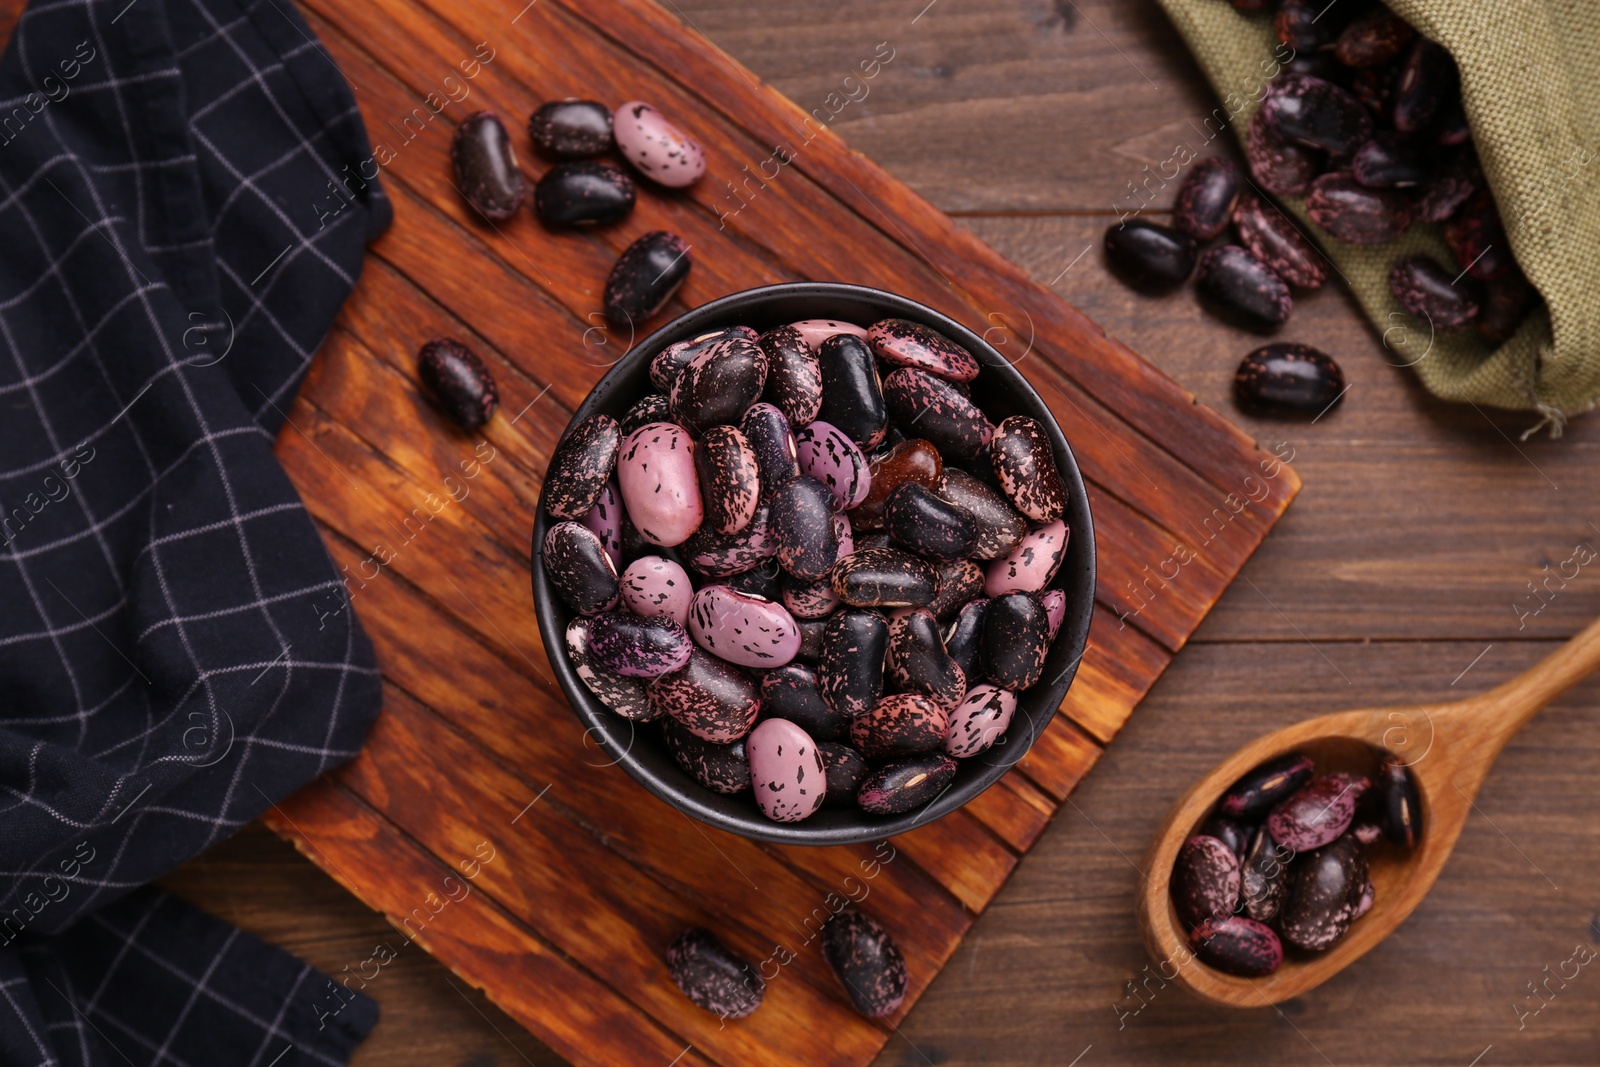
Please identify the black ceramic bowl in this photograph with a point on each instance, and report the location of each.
(1001, 391)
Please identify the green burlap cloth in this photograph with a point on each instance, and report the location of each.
(1530, 82)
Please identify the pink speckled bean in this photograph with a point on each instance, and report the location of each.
(743, 628)
(979, 720)
(659, 486)
(1030, 566)
(656, 148)
(786, 771)
(654, 585)
(816, 331)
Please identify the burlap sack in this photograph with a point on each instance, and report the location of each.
(1530, 82)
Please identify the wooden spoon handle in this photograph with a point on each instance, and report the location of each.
(1513, 703)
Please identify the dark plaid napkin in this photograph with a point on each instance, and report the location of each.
(186, 191)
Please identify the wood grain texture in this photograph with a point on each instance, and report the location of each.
(1397, 570)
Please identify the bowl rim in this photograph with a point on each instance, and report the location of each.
(603, 726)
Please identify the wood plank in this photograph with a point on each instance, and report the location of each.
(486, 946)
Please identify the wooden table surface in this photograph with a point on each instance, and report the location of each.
(1405, 571)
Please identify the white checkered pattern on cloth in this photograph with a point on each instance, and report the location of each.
(169, 261)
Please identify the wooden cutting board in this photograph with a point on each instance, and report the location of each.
(478, 818)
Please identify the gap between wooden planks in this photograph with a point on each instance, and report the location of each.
(568, 930)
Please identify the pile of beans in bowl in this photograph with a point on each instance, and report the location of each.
(813, 560)
(1283, 860)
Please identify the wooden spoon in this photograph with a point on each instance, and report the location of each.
(1449, 748)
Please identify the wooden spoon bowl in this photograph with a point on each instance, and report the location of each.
(1449, 749)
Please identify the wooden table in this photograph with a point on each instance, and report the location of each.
(1402, 571)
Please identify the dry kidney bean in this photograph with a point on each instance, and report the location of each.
(583, 193)
(938, 411)
(1426, 290)
(866, 961)
(644, 278)
(1402, 805)
(720, 768)
(902, 343)
(1393, 160)
(580, 568)
(655, 147)
(1205, 880)
(1478, 239)
(794, 692)
(486, 168)
(1150, 257)
(1352, 212)
(457, 382)
(1428, 83)
(794, 376)
(852, 393)
(884, 578)
(1243, 288)
(845, 771)
(1264, 788)
(1328, 887)
(581, 466)
(712, 976)
(571, 129)
(1206, 199)
(1278, 165)
(1272, 238)
(898, 787)
(1237, 945)
(918, 662)
(914, 460)
(1373, 40)
(1316, 113)
(1287, 379)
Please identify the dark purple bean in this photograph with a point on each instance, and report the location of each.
(645, 276)
(936, 411)
(1374, 39)
(582, 463)
(627, 697)
(1328, 885)
(845, 770)
(772, 440)
(712, 976)
(719, 768)
(850, 665)
(1000, 527)
(899, 787)
(1428, 82)
(1149, 257)
(486, 168)
(964, 641)
(1506, 303)
(1478, 239)
(719, 384)
(866, 961)
(1393, 160)
(667, 363)
(1279, 166)
(1205, 881)
(904, 724)
(884, 578)
(918, 663)
(794, 692)
(1264, 877)
(719, 556)
(1401, 803)
(652, 407)
(1243, 289)
(1206, 199)
(918, 519)
(959, 581)
(1426, 289)
(730, 484)
(1352, 212)
(1318, 812)
(903, 343)
(577, 564)
(712, 698)
(852, 394)
(1235, 835)
(1269, 235)
(794, 375)
(1239, 946)
(457, 382)
(583, 193)
(1287, 379)
(1316, 113)
(1025, 466)
(638, 646)
(571, 129)
(1452, 185)
(1263, 788)
(802, 527)
(1016, 640)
